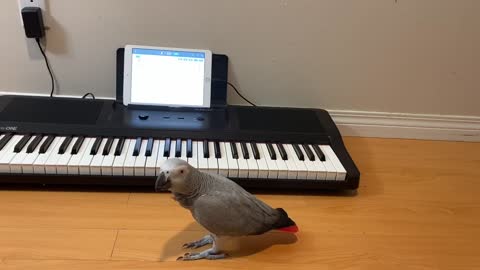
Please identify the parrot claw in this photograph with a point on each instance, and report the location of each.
(207, 254)
(200, 243)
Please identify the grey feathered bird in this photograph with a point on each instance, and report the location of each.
(220, 205)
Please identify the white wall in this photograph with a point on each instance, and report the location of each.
(408, 56)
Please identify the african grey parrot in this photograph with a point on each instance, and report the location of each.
(220, 205)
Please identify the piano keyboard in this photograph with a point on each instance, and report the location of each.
(100, 156)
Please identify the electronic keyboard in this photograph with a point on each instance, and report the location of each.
(101, 142)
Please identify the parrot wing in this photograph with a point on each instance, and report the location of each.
(234, 213)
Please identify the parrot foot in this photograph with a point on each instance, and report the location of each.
(209, 254)
(207, 239)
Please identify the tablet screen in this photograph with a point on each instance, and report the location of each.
(168, 77)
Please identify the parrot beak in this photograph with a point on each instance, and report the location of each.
(162, 182)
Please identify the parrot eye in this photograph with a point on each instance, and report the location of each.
(168, 172)
(181, 171)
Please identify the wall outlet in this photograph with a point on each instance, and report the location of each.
(30, 3)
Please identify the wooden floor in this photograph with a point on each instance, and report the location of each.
(418, 207)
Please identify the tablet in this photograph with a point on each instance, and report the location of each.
(162, 76)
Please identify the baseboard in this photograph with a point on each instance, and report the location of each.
(407, 126)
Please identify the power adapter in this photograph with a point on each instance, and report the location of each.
(33, 22)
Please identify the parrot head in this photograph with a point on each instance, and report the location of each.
(174, 175)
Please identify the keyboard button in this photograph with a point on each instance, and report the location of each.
(78, 144)
(21, 144)
(106, 168)
(299, 164)
(64, 145)
(140, 161)
(161, 158)
(232, 162)
(212, 160)
(84, 165)
(256, 154)
(281, 164)
(193, 160)
(223, 160)
(95, 146)
(252, 164)
(206, 150)
(27, 163)
(62, 165)
(242, 164)
(234, 150)
(119, 161)
(166, 147)
(319, 152)
(7, 154)
(271, 151)
(52, 161)
(178, 148)
(271, 164)
(39, 163)
(149, 149)
(128, 166)
(16, 162)
(136, 148)
(216, 147)
(202, 160)
(261, 162)
(119, 147)
(330, 155)
(298, 152)
(245, 153)
(108, 147)
(35, 142)
(96, 164)
(151, 163)
(189, 148)
(5, 139)
(282, 151)
(308, 152)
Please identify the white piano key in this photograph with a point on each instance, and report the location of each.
(290, 162)
(310, 165)
(183, 153)
(173, 144)
(242, 163)
(202, 161)
(74, 162)
(281, 165)
(223, 161)
(62, 165)
(106, 168)
(8, 154)
(128, 166)
(252, 163)
(232, 162)
(52, 161)
(151, 163)
(329, 154)
(117, 167)
(262, 163)
(319, 166)
(17, 161)
(140, 161)
(300, 165)
(193, 161)
(96, 164)
(160, 158)
(39, 164)
(212, 160)
(27, 163)
(84, 165)
(271, 164)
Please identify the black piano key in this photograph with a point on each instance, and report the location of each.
(136, 148)
(298, 151)
(5, 140)
(178, 148)
(282, 151)
(77, 145)
(35, 142)
(46, 144)
(149, 148)
(319, 152)
(206, 152)
(309, 152)
(119, 147)
(271, 151)
(233, 146)
(189, 148)
(216, 148)
(256, 154)
(244, 150)
(96, 146)
(64, 145)
(21, 144)
(166, 149)
(107, 147)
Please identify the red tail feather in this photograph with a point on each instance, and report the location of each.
(290, 229)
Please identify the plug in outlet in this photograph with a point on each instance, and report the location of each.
(29, 3)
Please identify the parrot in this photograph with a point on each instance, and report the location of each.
(219, 205)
